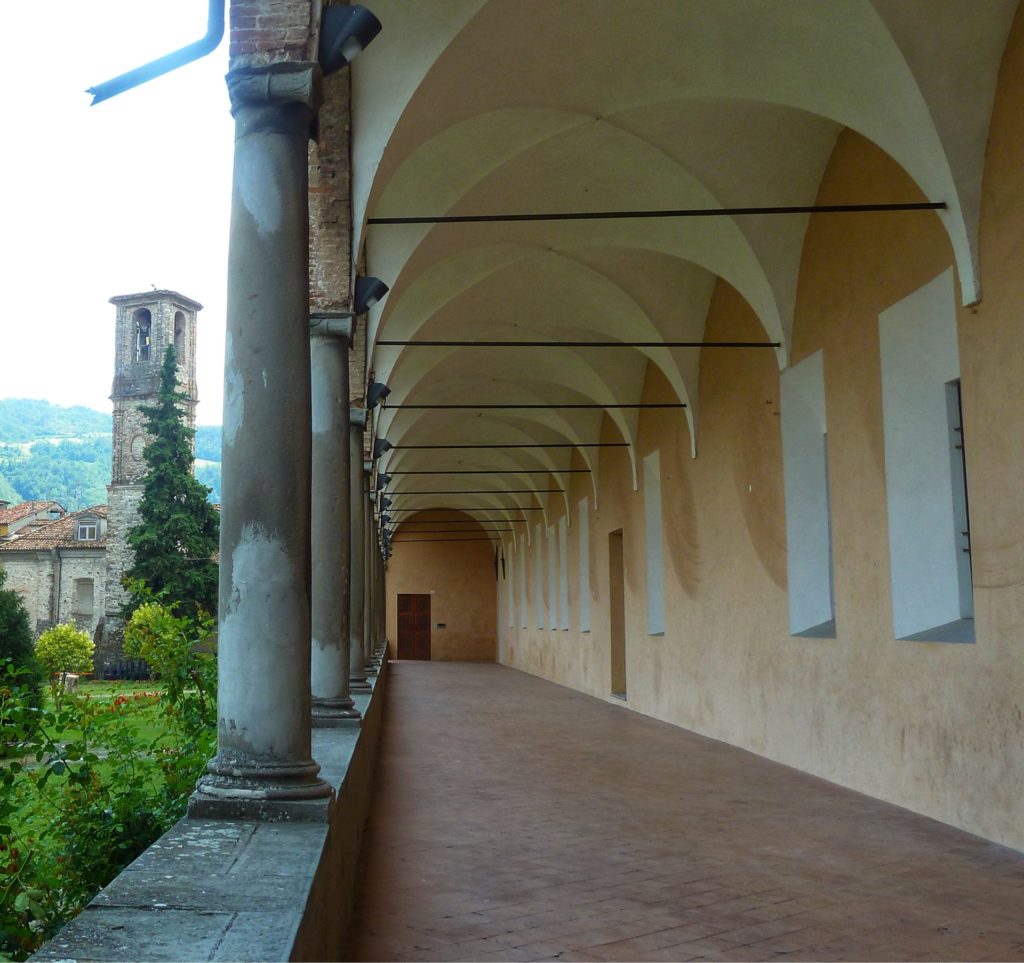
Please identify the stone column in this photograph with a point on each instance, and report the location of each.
(331, 548)
(263, 741)
(371, 587)
(378, 641)
(357, 425)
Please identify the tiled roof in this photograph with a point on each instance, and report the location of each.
(24, 509)
(57, 534)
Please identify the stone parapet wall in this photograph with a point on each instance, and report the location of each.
(232, 889)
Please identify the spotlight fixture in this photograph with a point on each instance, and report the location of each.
(381, 445)
(385, 517)
(376, 392)
(368, 292)
(384, 502)
(345, 32)
(383, 480)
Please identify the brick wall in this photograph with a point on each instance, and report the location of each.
(270, 31)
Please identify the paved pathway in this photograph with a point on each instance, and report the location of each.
(518, 820)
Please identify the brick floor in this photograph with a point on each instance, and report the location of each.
(514, 819)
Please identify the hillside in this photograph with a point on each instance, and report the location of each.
(50, 451)
(28, 419)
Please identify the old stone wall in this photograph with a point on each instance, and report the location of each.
(77, 564)
(31, 574)
(123, 513)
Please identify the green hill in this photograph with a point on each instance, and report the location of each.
(50, 451)
(27, 419)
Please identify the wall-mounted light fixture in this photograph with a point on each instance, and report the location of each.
(369, 291)
(381, 445)
(376, 392)
(345, 32)
(382, 480)
(384, 501)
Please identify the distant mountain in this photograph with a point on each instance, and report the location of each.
(27, 419)
(50, 451)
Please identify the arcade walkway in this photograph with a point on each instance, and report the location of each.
(517, 820)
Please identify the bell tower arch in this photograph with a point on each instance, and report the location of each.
(146, 324)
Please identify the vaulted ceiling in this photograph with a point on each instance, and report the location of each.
(492, 106)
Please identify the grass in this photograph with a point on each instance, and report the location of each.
(147, 723)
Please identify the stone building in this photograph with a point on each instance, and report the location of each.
(71, 566)
(59, 567)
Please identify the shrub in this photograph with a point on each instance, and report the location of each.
(172, 645)
(61, 650)
(16, 641)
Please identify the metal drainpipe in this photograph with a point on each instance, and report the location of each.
(168, 62)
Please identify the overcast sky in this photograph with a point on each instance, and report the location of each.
(107, 200)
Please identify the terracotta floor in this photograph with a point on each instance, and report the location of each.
(518, 820)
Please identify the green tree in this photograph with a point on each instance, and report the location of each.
(61, 650)
(16, 638)
(177, 534)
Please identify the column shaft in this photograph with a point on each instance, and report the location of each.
(358, 574)
(263, 747)
(331, 546)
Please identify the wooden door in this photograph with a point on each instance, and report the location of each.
(414, 627)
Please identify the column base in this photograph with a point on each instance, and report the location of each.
(240, 787)
(359, 685)
(335, 714)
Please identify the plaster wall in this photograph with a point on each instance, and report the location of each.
(460, 582)
(935, 727)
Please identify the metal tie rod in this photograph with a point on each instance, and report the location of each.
(567, 444)
(489, 471)
(532, 407)
(476, 508)
(679, 212)
(401, 541)
(456, 521)
(415, 343)
(488, 491)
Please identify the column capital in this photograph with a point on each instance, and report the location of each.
(357, 418)
(297, 83)
(332, 324)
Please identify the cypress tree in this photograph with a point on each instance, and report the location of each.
(176, 537)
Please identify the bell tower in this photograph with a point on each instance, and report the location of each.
(146, 324)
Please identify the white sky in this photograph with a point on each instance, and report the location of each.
(107, 200)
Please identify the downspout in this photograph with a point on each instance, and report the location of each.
(58, 576)
(168, 62)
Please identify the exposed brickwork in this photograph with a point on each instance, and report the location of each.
(330, 207)
(270, 31)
